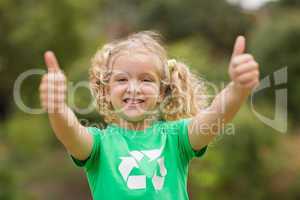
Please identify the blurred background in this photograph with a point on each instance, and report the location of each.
(256, 162)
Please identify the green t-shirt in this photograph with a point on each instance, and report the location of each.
(140, 164)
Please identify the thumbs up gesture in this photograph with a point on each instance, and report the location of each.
(243, 69)
(53, 85)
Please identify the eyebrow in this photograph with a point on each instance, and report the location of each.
(126, 73)
(119, 73)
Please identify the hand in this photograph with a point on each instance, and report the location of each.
(53, 85)
(243, 69)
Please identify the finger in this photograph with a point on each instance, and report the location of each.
(57, 99)
(53, 77)
(240, 59)
(247, 77)
(252, 84)
(51, 61)
(246, 67)
(239, 46)
(52, 89)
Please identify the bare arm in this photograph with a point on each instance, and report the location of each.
(206, 125)
(243, 71)
(71, 133)
(65, 124)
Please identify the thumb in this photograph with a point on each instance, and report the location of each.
(51, 61)
(239, 46)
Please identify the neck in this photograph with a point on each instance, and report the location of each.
(140, 125)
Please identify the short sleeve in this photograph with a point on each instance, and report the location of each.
(95, 153)
(184, 142)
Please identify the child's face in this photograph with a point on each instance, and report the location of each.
(134, 86)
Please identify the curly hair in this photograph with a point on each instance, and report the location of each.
(183, 92)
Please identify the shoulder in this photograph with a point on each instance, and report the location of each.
(96, 132)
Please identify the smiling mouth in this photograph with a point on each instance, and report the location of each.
(133, 101)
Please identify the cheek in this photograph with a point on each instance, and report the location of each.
(117, 90)
(151, 91)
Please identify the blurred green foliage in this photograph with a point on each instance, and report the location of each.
(280, 50)
(254, 163)
(289, 3)
(177, 19)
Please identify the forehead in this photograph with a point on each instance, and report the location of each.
(137, 63)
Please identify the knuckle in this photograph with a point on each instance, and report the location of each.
(249, 56)
(255, 64)
(234, 61)
(60, 77)
(238, 71)
(60, 89)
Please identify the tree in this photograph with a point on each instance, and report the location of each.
(275, 44)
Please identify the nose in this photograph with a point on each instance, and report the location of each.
(133, 87)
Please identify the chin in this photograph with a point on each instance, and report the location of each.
(134, 118)
(134, 115)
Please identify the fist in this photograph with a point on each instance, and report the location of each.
(243, 69)
(53, 85)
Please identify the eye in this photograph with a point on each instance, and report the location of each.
(121, 79)
(147, 80)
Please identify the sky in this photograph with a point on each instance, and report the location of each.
(250, 4)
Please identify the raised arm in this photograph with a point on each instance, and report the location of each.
(65, 124)
(244, 73)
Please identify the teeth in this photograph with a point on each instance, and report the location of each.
(134, 100)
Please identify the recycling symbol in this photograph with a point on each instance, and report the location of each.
(149, 162)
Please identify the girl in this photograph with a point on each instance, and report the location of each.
(154, 113)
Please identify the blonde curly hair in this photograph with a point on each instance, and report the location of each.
(183, 92)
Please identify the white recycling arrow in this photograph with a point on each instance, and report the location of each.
(139, 181)
(126, 165)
